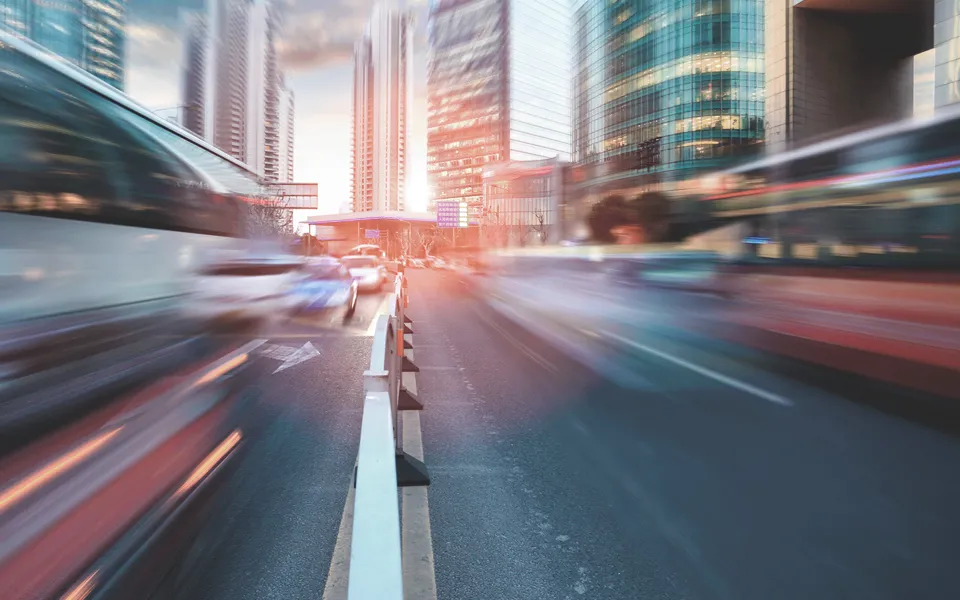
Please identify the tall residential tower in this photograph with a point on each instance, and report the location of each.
(381, 88)
(286, 123)
(231, 88)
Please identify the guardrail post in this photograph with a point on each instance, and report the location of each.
(410, 471)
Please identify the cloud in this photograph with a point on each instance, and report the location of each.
(153, 64)
(314, 40)
(153, 45)
(318, 33)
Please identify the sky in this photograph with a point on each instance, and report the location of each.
(316, 56)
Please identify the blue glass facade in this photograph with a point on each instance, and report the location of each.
(540, 73)
(666, 88)
(89, 34)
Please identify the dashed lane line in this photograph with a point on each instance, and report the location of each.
(709, 373)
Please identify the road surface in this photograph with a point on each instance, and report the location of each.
(274, 534)
(619, 461)
(680, 471)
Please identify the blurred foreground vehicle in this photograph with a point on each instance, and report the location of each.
(117, 405)
(327, 288)
(256, 287)
(368, 250)
(368, 272)
(849, 251)
(844, 253)
(107, 213)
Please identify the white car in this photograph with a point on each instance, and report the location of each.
(367, 271)
(248, 289)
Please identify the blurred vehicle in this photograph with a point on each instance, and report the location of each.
(257, 289)
(107, 212)
(368, 271)
(328, 287)
(368, 250)
(107, 215)
(416, 263)
(852, 248)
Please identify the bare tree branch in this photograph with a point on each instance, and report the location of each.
(427, 239)
(269, 217)
(540, 227)
(405, 242)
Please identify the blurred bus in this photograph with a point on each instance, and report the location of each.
(107, 213)
(883, 198)
(850, 251)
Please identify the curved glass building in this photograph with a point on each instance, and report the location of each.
(665, 89)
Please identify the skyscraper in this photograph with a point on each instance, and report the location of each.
(665, 89)
(231, 90)
(87, 34)
(500, 89)
(286, 123)
(381, 85)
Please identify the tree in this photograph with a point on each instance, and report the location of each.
(311, 246)
(646, 216)
(405, 242)
(540, 226)
(269, 218)
(653, 215)
(604, 216)
(427, 239)
(494, 227)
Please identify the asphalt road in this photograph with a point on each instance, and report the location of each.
(673, 467)
(273, 533)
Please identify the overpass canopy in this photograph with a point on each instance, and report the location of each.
(293, 195)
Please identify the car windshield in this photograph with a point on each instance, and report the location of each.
(359, 262)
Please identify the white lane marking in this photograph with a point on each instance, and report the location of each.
(575, 350)
(724, 379)
(336, 585)
(300, 355)
(381, 310)
(526, 350)
(430, 368)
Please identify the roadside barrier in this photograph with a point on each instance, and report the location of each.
(376, 571)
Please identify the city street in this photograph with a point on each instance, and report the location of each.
(615, 462)
(682, 472)
(274, 534)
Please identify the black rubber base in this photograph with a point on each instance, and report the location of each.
(411, 472)
(409, 367)
(407, 400)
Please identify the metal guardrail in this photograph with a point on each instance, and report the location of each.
(376, 571)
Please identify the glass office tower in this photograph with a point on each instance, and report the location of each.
(665, 89)
(499, 89)
(87, 34)
(539, 85)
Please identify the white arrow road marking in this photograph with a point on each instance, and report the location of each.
(290, 356)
